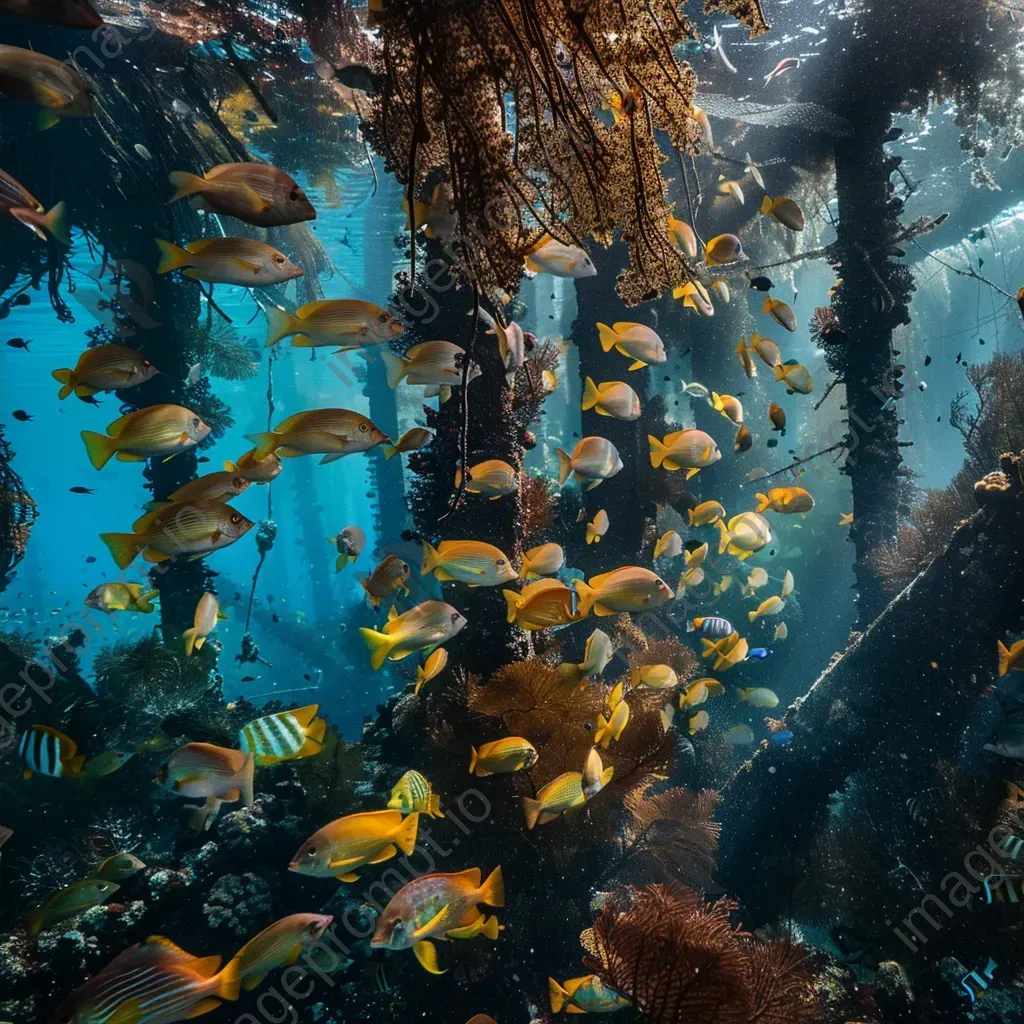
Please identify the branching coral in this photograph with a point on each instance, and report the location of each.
(676, 958)
(501, 100)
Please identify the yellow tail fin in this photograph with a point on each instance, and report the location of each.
(229, 980)
(98, 447)
(189, 636)
(492, 892)
(185, 184)
(379, 645)
(724, 540)
(609, 339)
(395, 368)
(123, 546)
(564, 466)
(512, 606)
(587, 596)
(590, 394)
(766, 205)
(171, 257)
(405, 837)
(1004, 658)
(658, 451)
(53, 223)
(556, 995)
(64, 376)
(472, 759)
(280, 323)
(431, 559)
(762, 502)
(144, 602)
(265, 443)
(435, 807)
(532, 809)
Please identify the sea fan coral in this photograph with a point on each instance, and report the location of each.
(679, 959)
(501, 101)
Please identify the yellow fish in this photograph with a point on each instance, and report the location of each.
(245, 262)
(695, 296)
(436, 364)
(698, 722)
(543, 560)
(69, 902)
(845, 518)
(635, 341)
(629, 589)
(669, 545)
(707, 513)
(332, 433)
(788, 500)
(146, 433)
(431, 668)
(510, 754)
(689, 579)
(593, 460)
(692, 450)
(746, 533)
(727, 652)
(550, 256)
(340, 848)
(1011, 659)
(280, 945)
(423, 627)
(682, 236)
(350, 323)
(411, 441)
(412, 793)
(598, 527)
(769, 606)
(788, 584)
(568, 792)
(728, 406)
(695, 556)
(596, 656)
(781, 312)
(611, 727)
(611, 398)
(183, 530)
(221, 486)
(286, 736)
(730, 188)
(723, 249)
(27, 210)
(121, 597)
(257, 471)
(657, 677)
(104, 368)
(468, 561)
(57, 87)
(492, 478)
(543, 604)
(584, 995)
(758, 696)
(694, 694)
(722, 585)
(204, 622)
(436, 217)
(785, 211)
(746, 361)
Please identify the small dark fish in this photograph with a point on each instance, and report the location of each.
(927, 360)
(88, 399)
(22, 300)
(20, 414)
(761, 284)
(203, 458)
(959, 356)
(82, 490)
(19, 343)
(248, 679)
(981, 341)
(772, 442)
(90, 559)
(306, 676)
(358, 76)
(275, 618)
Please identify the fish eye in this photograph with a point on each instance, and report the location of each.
(146, 362)
(236, 519)
(195, 421)
(499, 562)
(405, 567)
(237, 481)
(311, 852)
(294, 194)
(362, 428)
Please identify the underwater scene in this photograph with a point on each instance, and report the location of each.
(512, 508)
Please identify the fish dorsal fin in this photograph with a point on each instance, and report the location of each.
(392, 614)
(470, 875)
(161, 947)
(143, 523)
(116, 428)
(304, 715)
(207, 967)
(596, 582)
(68, 747)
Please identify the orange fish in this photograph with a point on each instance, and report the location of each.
(215, 773)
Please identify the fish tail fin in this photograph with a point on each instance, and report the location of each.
(492, 892)
(590, 394)
(780, 372)
(431, 558)
(379, 645)
(740, 694)
(280, 323)
(1004, 658)
(185, 184)
(602, 734)
(34, 924)
(766, 205)
(245, 780)
(340, 562)
(189, 636)
(556, 995)
(564, 466)
(609, 339)
(144, 602)
(691, 516)
(531, 808)
(395, 368)
(491, 928)
(434, 810)
(391, 450)
(658, 451)
(607, 775)
(724, 540)
(265, 443)
(98, 447)
(229, 980)
(405, 837)
(64, 377)
(472, 759)
(56, 223)
(592, 535)
(171, 256)
(762, 502)
(123, 546)
(587, 596)
(511, 606)
(752, 616)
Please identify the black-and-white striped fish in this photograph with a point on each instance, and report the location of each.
(286, 736)
(49, 752)
(711, 625)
